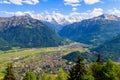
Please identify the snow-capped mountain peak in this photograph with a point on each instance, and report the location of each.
(107, 17)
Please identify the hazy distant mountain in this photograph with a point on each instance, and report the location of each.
(56, 26)
(57, 20)
(93, 31)
(60, 19)
(24, 31)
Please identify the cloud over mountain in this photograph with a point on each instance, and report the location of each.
(115, 11)
(56, 17)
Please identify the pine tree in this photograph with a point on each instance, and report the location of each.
(10, 73)
(30, 76)
(62, 75)
(78, 71)
(99, 60)
(110, 71)
(44, 77)
(47, 77)
(96, 68)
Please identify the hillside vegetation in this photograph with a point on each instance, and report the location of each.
(110, 49)
(94, 31)
(36, 57)
(26, 32)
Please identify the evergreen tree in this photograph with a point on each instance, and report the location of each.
(78, 71)
(110, 71)
(47, 77)
(99, 60)
(96, 70)
(118, 73)
(61, 75)
(10, 73)
(30, 76)
(44, 77)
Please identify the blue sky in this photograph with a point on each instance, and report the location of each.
(41, 8)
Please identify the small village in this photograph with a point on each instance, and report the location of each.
(46, 63)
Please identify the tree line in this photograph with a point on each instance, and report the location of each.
(97, 70)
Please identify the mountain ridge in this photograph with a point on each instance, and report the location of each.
(24, 31)
(93, 30)
(107, 17)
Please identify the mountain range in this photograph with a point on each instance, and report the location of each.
(24, 31)
(57, 20)
(93, 31)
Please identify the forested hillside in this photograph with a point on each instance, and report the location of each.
(24, 31)
(110, 49)
(93, 31)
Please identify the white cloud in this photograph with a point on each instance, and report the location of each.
(74, 9)
(6, 2)
(57, 17)
(114, 11)
(20, 2)
(72, 2)
(91, 1)
(77, 2)
(89, 13)
(54, 17)
(96, 12)
(20, 13)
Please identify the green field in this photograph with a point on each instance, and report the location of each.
(31, 53)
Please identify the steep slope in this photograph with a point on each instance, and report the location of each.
(93, 31)
(24, 31)
(110, 49)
